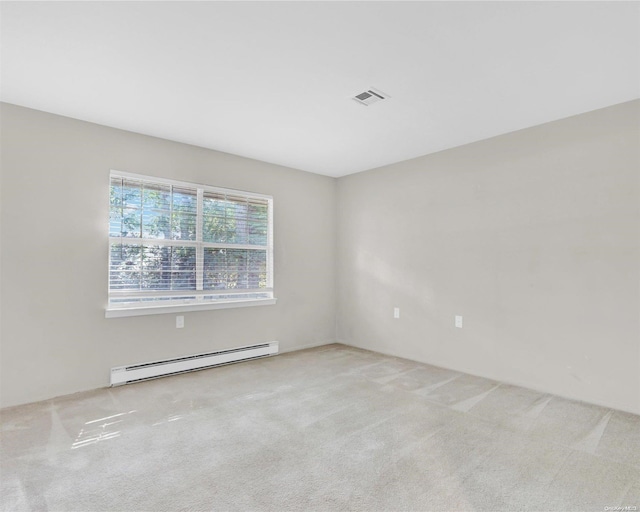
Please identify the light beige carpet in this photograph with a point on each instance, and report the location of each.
(332, 428)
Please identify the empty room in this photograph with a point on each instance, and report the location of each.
(319, 256)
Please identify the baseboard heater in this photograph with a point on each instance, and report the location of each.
(145, 371)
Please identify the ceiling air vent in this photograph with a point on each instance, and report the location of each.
(370, 96)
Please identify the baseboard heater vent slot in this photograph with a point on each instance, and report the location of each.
(153, 370)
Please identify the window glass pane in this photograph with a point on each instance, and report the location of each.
(125, 280)
(213, 229)
(156, 196)
(185, 208)
(183, 226)
(156, 267)
(213, 223)
(131, 193)
(183, 258)
(234, 219)
(156, 258)
(215, 277)
(115, 193)
(156, 280)
(258, 223)
(115, 221)
(257, 269)
(125, 266)
(234, 269)
(125, 257)
(155, 224)
(183, 280)
(131, 223)
(185, 200)
(168, 268)
(115, 207)
(213, 204)
(156, 204)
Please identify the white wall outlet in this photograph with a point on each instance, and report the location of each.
(179, 322)
(396, 312)
(459, 321)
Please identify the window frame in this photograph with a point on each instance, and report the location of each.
(152, 307)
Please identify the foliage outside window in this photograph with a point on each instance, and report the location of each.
(176, 243)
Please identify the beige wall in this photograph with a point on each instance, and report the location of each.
(532, 236)
(55, 339)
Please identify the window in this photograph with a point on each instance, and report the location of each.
(176, 246)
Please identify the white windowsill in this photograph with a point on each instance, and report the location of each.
(182, 308)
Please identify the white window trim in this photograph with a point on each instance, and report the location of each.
(182, 308)
(133, 309)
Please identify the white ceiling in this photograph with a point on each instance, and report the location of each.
(273, 80)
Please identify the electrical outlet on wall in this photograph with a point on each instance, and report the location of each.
(396, 312)
(179, 322)
(459, 321)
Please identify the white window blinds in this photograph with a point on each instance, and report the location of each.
(180, 243)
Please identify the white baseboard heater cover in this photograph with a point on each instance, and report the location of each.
(145, 371)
